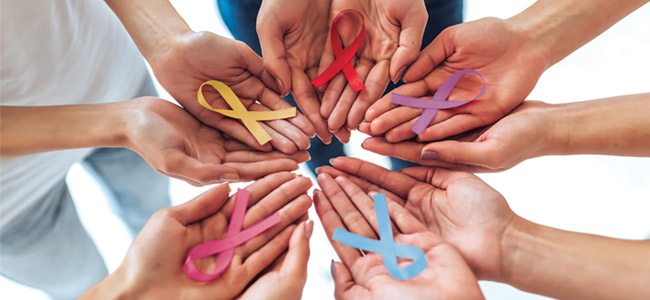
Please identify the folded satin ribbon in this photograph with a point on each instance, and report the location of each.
(386, 246)
(239, 111)
(344, 57)
(438, 101)
(225, 248)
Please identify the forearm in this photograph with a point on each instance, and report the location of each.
(559, 27)
(569, 265)
(114, 286)
(152, 24)
(613, 126)
(26, 130)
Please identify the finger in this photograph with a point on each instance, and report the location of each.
(332, 94)
(277, 198)
(376, 84)
(398, 183)
(483, 154)
(180, 165)
(236, 130)
(455, 125)
(274, 54)
(366, 186)
(434, 54)
(289, 214)
(273, 101)
(361, 201)
(438, 177)
(256, 170)
(393, 118)
(331, 220)
(307, 99)
(203, 206)
(410, 40)
(247, 156)
(266, 255)
(339, 115)
(406, 223)
(385, 104)
(295, 263)
(260, 188)
(343, 135)
(287, 129)
(326, 59)
(348, 213)
(344, 285)
(410, 151)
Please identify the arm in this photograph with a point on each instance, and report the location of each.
(27, 130)
(182, 59)
(560, 27)
(612, 126)
(569, 265)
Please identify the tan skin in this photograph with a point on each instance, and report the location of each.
(358, 276)
(149, 272)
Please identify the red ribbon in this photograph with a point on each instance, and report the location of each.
(344, 57)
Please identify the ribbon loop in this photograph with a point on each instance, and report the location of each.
(438, 101)
(239, 111)
(225, 248)
(344, 57)
(386, 246)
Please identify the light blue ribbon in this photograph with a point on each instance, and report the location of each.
(386, 246)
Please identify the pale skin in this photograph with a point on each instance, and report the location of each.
(610, 126)
(496, 243)
(182, 59)
(166, 136)
(153, 265)
(518, 51)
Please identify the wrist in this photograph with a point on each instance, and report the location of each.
(114, 286)
(517, 246)
(534, 47)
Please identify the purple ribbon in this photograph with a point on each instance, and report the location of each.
(438, 101)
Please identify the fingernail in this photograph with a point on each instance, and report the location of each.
(429, 155)
(317, 170)
(332, 268)
(309, 228)
(231, 177)
(280, 85)
(399, 75)
(332, 161)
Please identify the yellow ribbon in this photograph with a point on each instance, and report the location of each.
(239, 111)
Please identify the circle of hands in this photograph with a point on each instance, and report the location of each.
(429, 207)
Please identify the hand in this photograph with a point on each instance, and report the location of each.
(192, 58)
(153, 267)
(292, 43)
(394, 32)
(457, 206)
(359, 276)
(178, 145)
(521, 135)
(288, 276)
(510, 64)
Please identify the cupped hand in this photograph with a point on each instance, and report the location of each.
(520, 135)
(194, 57)
(457, 206)
(176, 144)
(509, 63)
(292, 42)
(394, 32)
(153, 267)
(364, 276)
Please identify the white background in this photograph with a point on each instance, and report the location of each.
(595, 194)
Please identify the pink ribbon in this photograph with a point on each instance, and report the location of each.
(438, 101)
(225, 248)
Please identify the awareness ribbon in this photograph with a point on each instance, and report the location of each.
(225, 248)
(438, 101)
(344, 57)
(386, 245)
(239, 111)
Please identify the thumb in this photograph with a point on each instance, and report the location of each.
(201, 207)
(295, 263)
(342, 279)
(470, 153)
(274, 54)
(434, 54)
(410, 41)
